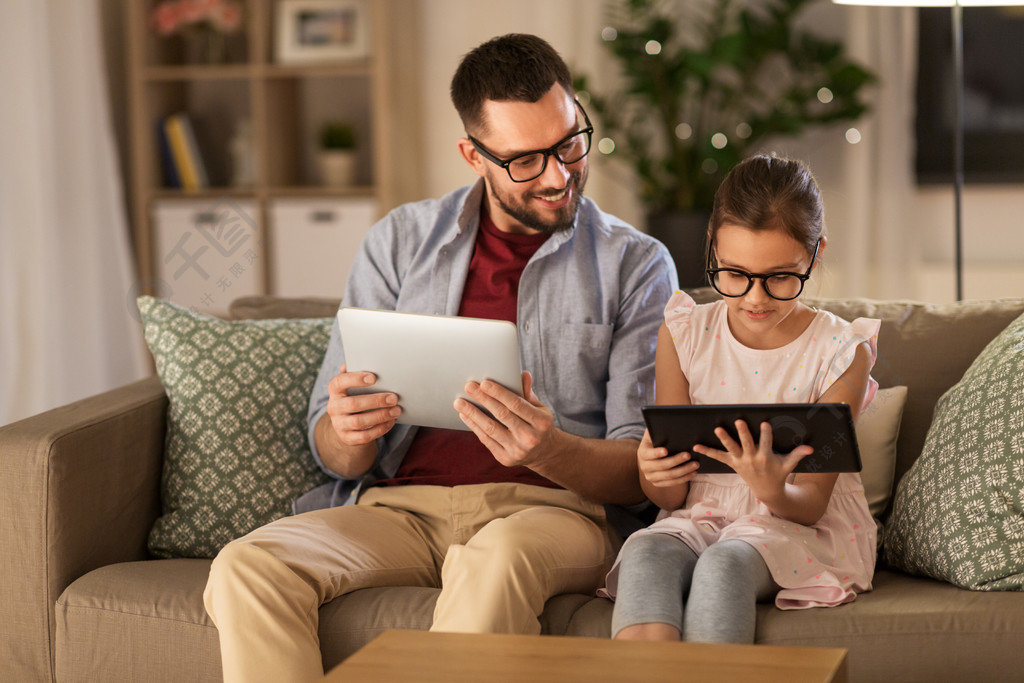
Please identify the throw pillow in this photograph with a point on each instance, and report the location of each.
(236, 452)
(878, 429)
(957, 512)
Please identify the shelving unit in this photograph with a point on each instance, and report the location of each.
(285, 103)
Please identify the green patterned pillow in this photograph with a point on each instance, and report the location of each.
(958, 515)
(237, 452)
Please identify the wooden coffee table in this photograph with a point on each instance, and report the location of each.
(427, 657)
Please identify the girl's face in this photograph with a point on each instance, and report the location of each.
(756, 319)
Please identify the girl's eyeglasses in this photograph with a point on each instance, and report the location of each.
(782, 286)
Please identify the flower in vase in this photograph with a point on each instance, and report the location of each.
(175, 16)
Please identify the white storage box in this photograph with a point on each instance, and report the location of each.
(208, 252)
(313, 242)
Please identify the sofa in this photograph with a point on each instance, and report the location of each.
(82, 599)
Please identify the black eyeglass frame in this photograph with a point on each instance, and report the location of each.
(550, 151)
(764, 277)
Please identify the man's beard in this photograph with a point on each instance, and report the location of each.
(563, 219)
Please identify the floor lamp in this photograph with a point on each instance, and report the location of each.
(956, 7)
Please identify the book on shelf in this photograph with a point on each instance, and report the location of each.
(185, 156)
(170, 169)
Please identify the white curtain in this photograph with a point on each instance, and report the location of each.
(66, 277)
(878, 173)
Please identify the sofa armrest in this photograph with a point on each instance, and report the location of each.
(79, 489)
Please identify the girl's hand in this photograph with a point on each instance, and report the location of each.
(764, 471)
(661, 469)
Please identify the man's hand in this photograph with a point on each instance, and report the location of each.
(522, 430)
(346, 434)
(362, 418)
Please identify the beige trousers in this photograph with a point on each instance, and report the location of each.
(497, 551)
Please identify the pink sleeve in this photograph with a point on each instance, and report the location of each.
(859, 331)
(677, 318)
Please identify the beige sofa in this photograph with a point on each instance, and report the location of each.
(81, 600)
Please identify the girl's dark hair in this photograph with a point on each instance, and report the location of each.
(517, 67)
(766, 192)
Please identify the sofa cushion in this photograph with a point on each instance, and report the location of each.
(905, 629)
(957, 513)
(145, 621)
(108, 617)
(237, 453)
(138, 621)
(878, 428)
(909, 630)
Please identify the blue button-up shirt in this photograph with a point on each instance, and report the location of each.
(590, 303)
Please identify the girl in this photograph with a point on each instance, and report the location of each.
(723, 542)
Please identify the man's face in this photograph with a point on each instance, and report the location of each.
(548, 203)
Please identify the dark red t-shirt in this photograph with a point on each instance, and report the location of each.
(448, 457)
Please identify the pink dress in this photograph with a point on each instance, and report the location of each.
(821, 565)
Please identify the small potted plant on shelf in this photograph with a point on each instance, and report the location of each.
(337, 158)
(703, 84)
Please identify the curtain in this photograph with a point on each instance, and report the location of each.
(878, 173)
(67, 329)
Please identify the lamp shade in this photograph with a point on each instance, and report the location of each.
(930, 3)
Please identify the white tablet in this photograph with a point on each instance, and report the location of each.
(427, 359)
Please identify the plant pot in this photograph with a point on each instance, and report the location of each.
(684, 233)
(337, 167)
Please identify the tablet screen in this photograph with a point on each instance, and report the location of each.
(827, 427)
(427, 359)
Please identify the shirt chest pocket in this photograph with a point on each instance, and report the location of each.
(576, 357)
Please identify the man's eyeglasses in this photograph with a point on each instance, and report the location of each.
(733, 282)
(529, 165)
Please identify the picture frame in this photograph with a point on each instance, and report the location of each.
(324, 31)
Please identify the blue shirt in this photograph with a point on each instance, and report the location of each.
(589, 307)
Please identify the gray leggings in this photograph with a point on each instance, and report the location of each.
(661, 578)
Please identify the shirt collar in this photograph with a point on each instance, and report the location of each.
(469, 216)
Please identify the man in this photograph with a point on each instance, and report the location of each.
(506, 515)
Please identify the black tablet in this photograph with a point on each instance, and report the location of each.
(827, 427)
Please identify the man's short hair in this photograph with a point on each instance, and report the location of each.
(516, 67)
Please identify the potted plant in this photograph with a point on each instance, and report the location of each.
(337, 157)
(704, 83)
